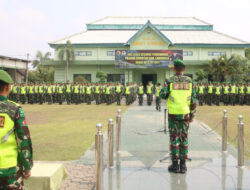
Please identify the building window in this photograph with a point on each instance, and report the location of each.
(83, 53)
(116, 78)
(110, 53)
(216, 53)
(187, 53)
(82, 77)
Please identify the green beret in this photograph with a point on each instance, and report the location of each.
(5, 77)
(178, 62)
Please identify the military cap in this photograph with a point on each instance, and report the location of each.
(5, 77)
(178, 62)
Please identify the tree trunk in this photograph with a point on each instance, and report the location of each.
(67, 71)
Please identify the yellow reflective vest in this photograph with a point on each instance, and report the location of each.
(158, 90)
(8, 143)
(149, 89)
(179, 98)
(127, 90)
(210, 89)
(140, 90)
(118, 89)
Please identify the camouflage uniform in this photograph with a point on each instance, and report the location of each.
(12, 178)
(179, 124)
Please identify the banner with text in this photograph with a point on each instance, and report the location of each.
(146, 58)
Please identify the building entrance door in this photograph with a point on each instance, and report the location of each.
(149, 77)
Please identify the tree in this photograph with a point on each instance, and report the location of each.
(40, 57)
(200, 75)
(66, 53)
(42, 74)
(224, 68)
(101, 75)
(247, 53)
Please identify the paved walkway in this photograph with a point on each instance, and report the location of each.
(137, 166)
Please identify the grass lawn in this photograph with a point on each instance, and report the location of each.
(211, 115)
(65, 132)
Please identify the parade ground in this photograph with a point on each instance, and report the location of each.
(65, 132)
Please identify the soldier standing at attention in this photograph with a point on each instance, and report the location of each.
(68, 90)
(201, 94)
(217, 92)
(209, 93)
(128, 94)
(88, 94)
(232, 92)
(140, 92)
(60, 94)
(158, 97)
(23, 94)
(149, 93)
(226, 94)
(16, 157)
(241, 93)
(181, 103)
(118, 91)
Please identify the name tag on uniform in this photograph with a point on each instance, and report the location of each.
(181, 86)
(2, 121)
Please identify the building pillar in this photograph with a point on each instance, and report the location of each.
(130, 75)
(126, 73)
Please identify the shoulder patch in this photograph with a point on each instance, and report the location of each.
(2, 121)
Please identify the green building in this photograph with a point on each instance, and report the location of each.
(95, 47)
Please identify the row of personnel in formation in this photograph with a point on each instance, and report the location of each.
(206, 93)
(228, 93)
(83, 93)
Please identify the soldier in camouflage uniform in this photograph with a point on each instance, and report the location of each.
(15, 143)
(158, 97)
(181, 104)
(149, 93)
(118, 91)
(140, 92)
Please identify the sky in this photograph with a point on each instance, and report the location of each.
(29, 25)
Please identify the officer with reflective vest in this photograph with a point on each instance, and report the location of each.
(210, 93)
(232, 93)
(158, 97)
(241, 93)
(76, 93)
(128, 94)
(16, 157)
(97, 94)
(140, 92)
(201, 94)
(217, 92)
(88, 94)
(149, 93)
(68, 91)
(225, 91)
(118, 93)
(60, 91)
(23, 93)
(181, 104)
(49, 93)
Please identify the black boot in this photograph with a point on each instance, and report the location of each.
(183, 167)
(174, 167)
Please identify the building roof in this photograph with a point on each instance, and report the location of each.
(153, 20)
(176, 37)
(189, 31)
(14, 59)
